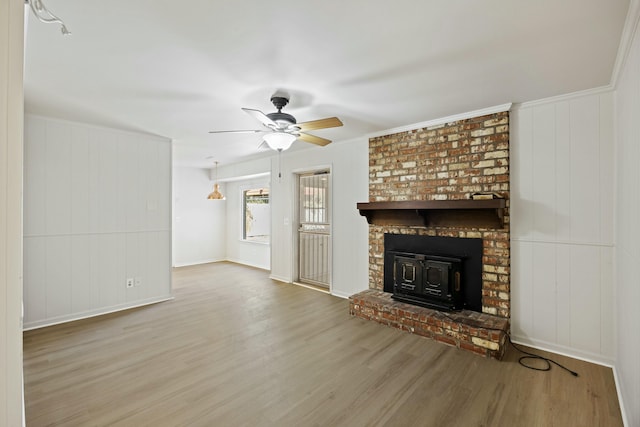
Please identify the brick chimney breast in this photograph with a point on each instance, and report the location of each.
(450, 161)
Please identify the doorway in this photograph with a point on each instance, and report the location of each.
(314, 229)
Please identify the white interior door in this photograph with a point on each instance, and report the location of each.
(314, 230)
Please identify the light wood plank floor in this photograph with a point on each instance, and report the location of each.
(237, 349)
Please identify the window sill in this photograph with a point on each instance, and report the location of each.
(255, 242)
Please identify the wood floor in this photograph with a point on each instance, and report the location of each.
(237, 349)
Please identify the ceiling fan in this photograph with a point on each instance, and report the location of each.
(281, 129)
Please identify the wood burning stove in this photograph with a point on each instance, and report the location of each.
(427, 280)
(443, 273)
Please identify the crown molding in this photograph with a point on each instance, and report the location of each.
(626, 40)
(89, 125)
(462, 116)
(564, 97)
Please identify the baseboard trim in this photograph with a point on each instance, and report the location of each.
(280, 278)
(564, 351)
(93, 313)
(616, 380)
(189, 263)
(340, 294)
(313, 288)
(235, 261)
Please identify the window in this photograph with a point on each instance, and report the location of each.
(257, 215)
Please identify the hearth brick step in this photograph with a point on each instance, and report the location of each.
(480, 333)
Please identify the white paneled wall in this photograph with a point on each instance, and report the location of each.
(628, 234)
(97, 210)
(349, 163)
(562, 285)
(199, 224)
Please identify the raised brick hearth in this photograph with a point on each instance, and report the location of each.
(479, 333)
(449, 161)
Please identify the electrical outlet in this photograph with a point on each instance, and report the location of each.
(129, 282)
(137, 281)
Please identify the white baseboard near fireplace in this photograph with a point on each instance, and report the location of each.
(340, 294)
(564, 351)
(616, 379)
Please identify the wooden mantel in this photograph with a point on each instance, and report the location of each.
(436, 213)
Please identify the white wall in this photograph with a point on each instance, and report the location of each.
(562, 225)
(11, 125)
(199, 224)
(237, 250)
(97, 210)
(349, 163)
(627, 254)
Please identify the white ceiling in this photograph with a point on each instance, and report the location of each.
(179, 69)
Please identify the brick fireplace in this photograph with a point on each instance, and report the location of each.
(434, 172)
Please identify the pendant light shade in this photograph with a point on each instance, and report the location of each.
(279, 141)
(216, 194)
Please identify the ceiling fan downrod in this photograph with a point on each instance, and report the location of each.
(279, 102)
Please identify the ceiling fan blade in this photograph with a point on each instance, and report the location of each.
(313, 139)
(261, 117)
(331, 122)
(237, 131)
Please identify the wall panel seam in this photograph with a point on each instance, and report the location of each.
(563, 242)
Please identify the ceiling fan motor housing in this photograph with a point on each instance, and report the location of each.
(279, 102)
(282, 117)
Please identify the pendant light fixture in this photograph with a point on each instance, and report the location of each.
(216, 194)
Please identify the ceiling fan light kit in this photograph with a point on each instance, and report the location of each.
(279, 141)
(282, 129)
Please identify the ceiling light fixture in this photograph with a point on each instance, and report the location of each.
(216, 194)
(279, 141)
(44, 15)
